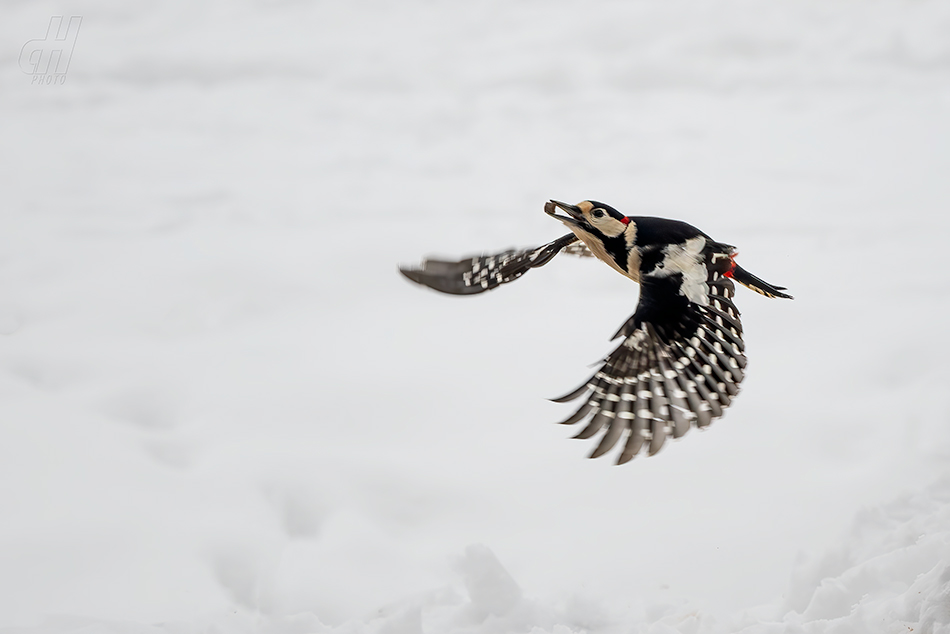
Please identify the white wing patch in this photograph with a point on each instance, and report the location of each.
(687, 259)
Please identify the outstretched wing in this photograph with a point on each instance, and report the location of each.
(484, 272)
(680, 363)
(579, 249)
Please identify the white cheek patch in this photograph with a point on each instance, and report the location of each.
(609, 226)
(687, 260)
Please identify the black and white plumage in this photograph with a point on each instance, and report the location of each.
(682, 356)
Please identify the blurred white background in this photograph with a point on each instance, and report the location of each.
(222, 409)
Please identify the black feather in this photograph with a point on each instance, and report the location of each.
(482, 273)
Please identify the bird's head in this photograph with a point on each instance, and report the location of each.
(590, 216)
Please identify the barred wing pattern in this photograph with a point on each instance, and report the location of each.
(579, 249)
(680, 364)
(484, 272)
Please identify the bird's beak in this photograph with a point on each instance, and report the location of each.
(575, 218)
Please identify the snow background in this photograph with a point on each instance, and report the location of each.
(222, 409)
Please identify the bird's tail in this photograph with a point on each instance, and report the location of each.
(762, 287)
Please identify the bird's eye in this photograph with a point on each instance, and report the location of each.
(597, 213)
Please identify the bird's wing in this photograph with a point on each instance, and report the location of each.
(579, 249)
(680, 362)
(484, 272)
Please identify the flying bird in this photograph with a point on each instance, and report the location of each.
(682, 356)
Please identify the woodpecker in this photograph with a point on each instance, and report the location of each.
(682, 357)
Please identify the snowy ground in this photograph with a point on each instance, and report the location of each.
(222, 410)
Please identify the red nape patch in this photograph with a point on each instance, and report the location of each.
(625, 220)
